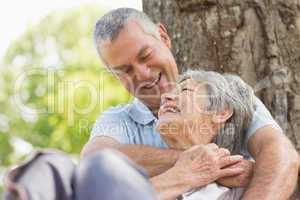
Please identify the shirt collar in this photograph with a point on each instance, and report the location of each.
(140, 113)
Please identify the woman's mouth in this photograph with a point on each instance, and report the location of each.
(169, 109)
(172, 110)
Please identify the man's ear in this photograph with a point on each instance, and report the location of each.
(164, 35)
(222, 116)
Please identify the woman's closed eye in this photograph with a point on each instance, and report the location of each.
(186, 89)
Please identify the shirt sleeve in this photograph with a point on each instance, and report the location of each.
(111, 125)
(262, 117)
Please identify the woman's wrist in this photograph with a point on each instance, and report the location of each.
(170, 184)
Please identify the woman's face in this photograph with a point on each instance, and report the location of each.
(183, 120)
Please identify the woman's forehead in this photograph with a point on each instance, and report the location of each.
(190, 83)
(186, 81)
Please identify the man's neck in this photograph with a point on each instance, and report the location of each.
(154, 111)
(154, 108)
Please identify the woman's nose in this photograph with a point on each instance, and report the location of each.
(168, 97)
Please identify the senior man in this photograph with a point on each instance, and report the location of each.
(137, 52)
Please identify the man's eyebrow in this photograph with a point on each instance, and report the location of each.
(143, 49)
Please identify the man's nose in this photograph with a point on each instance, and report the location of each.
(142, 72)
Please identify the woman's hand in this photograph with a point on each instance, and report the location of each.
(196, 167)
(204, 164)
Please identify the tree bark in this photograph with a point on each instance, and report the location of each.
(256, 39)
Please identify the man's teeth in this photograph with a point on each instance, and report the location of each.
(152, 84)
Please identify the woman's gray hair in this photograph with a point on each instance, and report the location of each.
(227, 91)
(110, 25)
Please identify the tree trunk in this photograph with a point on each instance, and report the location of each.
(256, 39)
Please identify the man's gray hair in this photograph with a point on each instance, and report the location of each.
(111, 24)
(227, 91)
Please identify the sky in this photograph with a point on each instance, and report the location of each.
(16, 15)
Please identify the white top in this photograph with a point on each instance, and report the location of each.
(214, 191)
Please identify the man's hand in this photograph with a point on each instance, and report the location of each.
(196, 167)
(241, 180)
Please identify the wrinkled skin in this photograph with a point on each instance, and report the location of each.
(183, 119)
(208, 159)
(185, 124)
(147, 69)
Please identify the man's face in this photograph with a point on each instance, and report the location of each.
(143, 63)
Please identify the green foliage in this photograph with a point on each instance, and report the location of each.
(54, 70)
(5, 148)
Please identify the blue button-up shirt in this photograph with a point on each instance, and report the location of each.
(134, 123)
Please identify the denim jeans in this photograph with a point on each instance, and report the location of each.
(52, 175)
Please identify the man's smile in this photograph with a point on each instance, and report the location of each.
(150, 85)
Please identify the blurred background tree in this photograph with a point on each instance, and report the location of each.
(52, 86)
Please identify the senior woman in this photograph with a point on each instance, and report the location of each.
(207, 107)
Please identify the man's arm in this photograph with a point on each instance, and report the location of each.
(276, 165)
(154, 160)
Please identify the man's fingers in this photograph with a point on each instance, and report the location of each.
(227, 172)
(229, 160)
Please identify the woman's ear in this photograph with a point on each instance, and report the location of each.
(222, 116)
(164, 35)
